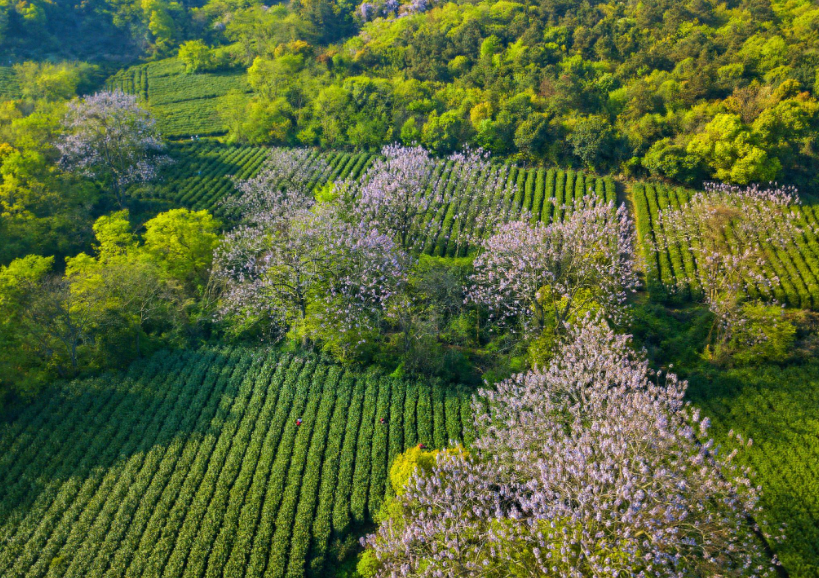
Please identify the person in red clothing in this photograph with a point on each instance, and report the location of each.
(382, 420)
(298, 421)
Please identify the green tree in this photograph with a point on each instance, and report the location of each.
(159, 18)
(331, 109)
(272, 78)
(531, 136)
(410, 133)
(53, 82)
(181, 242)
(443, 133)
(196, 56)
(665, 158)
(114, 235)
(131, 290)
(127, 298)
(732, 153)
(45, 325)
(20, 349)
(788, 129)
(592, 140)
(43, 210)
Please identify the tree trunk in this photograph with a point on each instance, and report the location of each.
(305, 342)
(74, 356)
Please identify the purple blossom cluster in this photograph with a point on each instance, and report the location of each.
(418, 6)
(725, 228)
(275, 269)
(111, 137)
(593, 466)
(289, 254)
(529, 273)
(369, 11)
(395, 193)
(401, 193)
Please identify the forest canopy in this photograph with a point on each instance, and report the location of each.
(687, 91)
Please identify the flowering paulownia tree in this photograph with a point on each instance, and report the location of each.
(400, 193)
(292, 263)
(395, 193)
(592, 467)
(725, 228)
(110, 137)
(537, 275)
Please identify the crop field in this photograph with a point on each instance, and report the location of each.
(184, 104)
(793, 274)
(192, 464)
(776, 408)
(202, 175)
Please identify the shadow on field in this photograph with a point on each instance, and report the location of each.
(780, 399)
(777, 407)
(100, 423)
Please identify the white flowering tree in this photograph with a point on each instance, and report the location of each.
(532, 275)
(592, 467)
(725, 227)
(110, 137)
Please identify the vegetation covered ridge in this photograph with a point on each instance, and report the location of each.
(687, 91)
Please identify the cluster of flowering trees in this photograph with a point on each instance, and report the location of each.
(541, 276)
(347, 268)
(294, 265)
(590, 464)
(593, 466)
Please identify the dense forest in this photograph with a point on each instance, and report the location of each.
(473, 288)
(687, 91)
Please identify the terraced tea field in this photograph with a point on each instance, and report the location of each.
(792, 274)
(192, 464)
(184, 104)
(779, 409)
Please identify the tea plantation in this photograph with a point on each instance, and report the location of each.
(195, 464)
